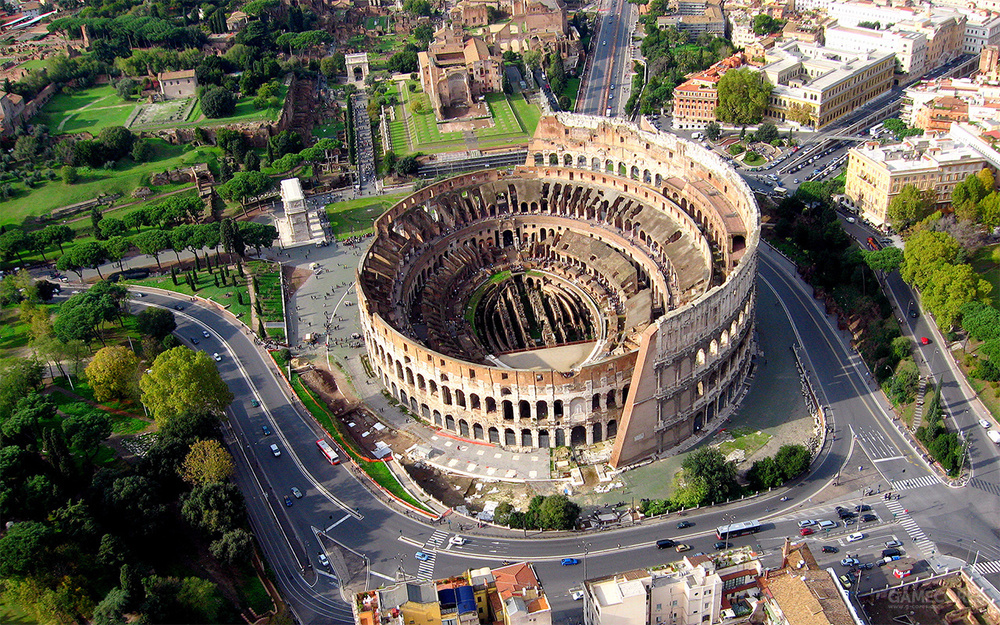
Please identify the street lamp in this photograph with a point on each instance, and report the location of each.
(586, 550)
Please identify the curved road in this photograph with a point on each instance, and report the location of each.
(337, 504)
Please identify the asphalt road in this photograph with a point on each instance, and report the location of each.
(609, 68)
(348, 513)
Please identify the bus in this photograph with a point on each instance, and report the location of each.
(737, 529)
(328, 451)
(876, 129)
(873, 244)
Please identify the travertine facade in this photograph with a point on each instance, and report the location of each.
(456, 69)
(645, 243)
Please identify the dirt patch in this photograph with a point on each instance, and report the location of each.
(473, 493)
(323, 384)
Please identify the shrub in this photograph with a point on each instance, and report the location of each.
(736, 148)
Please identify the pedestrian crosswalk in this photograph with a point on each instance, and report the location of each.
(916, 482)
(988, 568)
(989, 487)
(905, 521)
(425, 571)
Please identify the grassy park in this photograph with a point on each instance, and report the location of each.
(87, 110)
(514, 121)
(356, 217)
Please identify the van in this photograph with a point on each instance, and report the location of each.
(888, 553)
(827, 525)
(275, 450)
(665, 543)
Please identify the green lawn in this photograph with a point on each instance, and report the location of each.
(356, 217)
(328, 131)
(986, 262)
(269, 291)
(514, 120)
(124, 178)
(224, 296)
(749, 442)
(572, 91)
(245, 112)
(87, 110)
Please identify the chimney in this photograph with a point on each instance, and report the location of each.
(785, 550)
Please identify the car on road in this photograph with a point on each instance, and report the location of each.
(194, 341)
(665, 543)
(795, 181)
(849, 522)
(847, 580)
(217, 357)
(721, 545)
(569, 561)
(863, 508)
(288, 500)
(830, 549)
(255, 403)
(323, 560)
(275, 450)
(888, 553)
(604, 43)
(913, 314)
(178, 307)
(868, 518)
(806, 523)
(205, 334)
(827, 525)
(265, 429)
(296, 492)
(423, 557)
(577, 595)
(851, 220)
(456, 540)
(806, 531)
(684, 524)
(855, 537)
(925, 341)
(889, 544)
(846, 514)
(682, 547)
(984, 423)
(850, 562)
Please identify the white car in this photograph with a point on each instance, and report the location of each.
(851, 220)
(827, 525)
(217, 357)
(806, 523)
(456, 540)
(577, 595)
(984, 423)
(323, 560)
(855, 537)
(205, 334)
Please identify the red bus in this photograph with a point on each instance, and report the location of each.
(328, 451)
(873, 244)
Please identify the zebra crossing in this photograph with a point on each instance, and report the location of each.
(988, 568)
(983, 485)
(916, 482)
(425, 570)
(912, 529)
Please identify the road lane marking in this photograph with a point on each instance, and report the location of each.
(346, 516)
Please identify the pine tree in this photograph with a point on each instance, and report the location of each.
(173, 275)
(216, 276)
(261, 330)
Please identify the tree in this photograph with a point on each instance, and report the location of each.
(217, 102)
(70, 175)
(418, 7)
(764, 24)
(117, 141)
(901, 347)
(234, 547)
(215, 507)
(142, 151)
(389, 160)
(709, 469)
(23, 548)
(765, 474)
(87, 431)
(792, 460)
(152, 242)
(403, 62)
(58, 235)
(800, 114)
(156, 322)
(743, 95)
(407, 166)
(246, 185)
(232, 238)
(532, 59)
(713, 131)
(924, 253)
(207, 463)
(910, 206)
(112, 227)
(114, 373)
(111, 609)
(12, 243)
(90, 255)
(766, 132)
(182, 380)
(886, 260)
(558, 512)
(950, 287)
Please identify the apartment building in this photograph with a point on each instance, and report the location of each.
(696, 18)
(800, 593)
(510, 595)
(982, 28)
(696, 98)
(823, 82)
(696, 590)
(932, 105)
(910, 48)
(877, 173)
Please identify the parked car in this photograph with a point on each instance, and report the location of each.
(887, 553)
(984, 423)
(323, 560)
(827, 525)
(265, 429)
(868, 518)
(806, 523)
(830, 549)
(850, 562)
(275, 451)
(863, 508)
(889, 544)
(855, 537)
(288, 500)
(806, 531)
(217, 357)
(194, 341)
(847, 580)
(569, 561)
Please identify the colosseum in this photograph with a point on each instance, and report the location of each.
(604, 290)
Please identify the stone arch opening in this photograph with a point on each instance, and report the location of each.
(541, 410)
(463, 427)
(560, 437)
(526, 439)
(612, 428)
(437, 419)
(477, 431)
(597, 433)
(524, 409)
(509, 437)
(578, 436)
(494, 435)
(491, 405)
(508, 410)
(449, 422)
